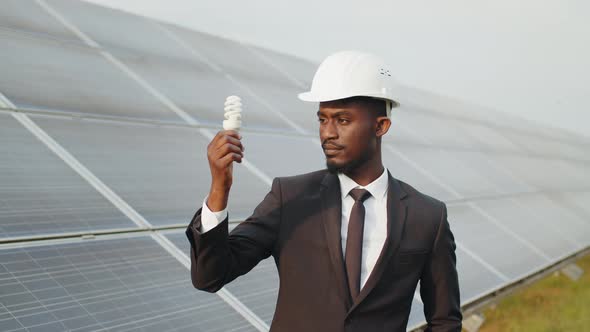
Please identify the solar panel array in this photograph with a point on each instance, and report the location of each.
(104, 122)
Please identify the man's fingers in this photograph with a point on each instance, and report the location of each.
(228, 159)
(221, 140)
(228, 148)
(225, 148)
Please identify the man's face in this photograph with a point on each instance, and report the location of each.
(347, 134)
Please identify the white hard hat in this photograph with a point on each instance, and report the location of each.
(349, 74)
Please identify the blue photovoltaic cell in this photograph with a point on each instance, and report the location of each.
(258, 289)
(124, 284)
(481, 236)
(40, 195)
(28, 17)
(280, 155)
(162, 172)
(46, 74)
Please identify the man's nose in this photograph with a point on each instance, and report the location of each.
(328, 131)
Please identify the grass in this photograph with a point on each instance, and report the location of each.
(554, 303)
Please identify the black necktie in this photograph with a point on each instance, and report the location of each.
(354, 241)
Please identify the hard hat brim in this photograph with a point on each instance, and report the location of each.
(311, 97)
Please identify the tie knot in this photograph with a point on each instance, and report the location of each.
(359, 195)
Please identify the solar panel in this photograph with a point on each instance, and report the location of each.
(575, 202)
(233, 58)
(521, 217)
(436, 131)
(122, 284)
(299, 71)
(499, 248)
(267, 87)
(550, 147)
(443, 165)
(52, 75)
(475, 279)
(500, 178)
(572, 225)
(162, 172)
(165, 62)
(258, 289)
(280, 155)
(406, 170)
(41, 196)
(543, 173)
(28, 17)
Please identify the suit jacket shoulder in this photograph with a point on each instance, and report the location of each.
(301, 185)
(419, 197)
(426, 214)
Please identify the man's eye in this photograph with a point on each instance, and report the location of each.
(343, 121)
(320, 120)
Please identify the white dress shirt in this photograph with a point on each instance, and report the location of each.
(375, 229)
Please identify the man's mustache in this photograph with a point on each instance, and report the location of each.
(331, 145)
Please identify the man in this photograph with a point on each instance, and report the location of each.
(350, 242)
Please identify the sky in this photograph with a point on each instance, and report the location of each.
(526, 58)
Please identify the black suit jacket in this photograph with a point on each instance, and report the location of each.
(298, 223)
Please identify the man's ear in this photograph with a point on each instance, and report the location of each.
(383, 124)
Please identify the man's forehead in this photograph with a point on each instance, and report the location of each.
(338, 105)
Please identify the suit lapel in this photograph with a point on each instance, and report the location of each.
(332, 221)
(396, 218)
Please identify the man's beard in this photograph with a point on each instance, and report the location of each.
(349, 166)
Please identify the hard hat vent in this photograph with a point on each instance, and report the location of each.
(385, 72)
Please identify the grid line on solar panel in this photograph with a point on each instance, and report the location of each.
(573, 163)
(81, 74)
(451, 193)
(71, 161)
(515, 214)
(158, 95)
(446, 107)
(479, 235)
(89, 34)
(235, 80)
(276, 66)
(509, 231)
(481, 261)
(119, 64)
(28, 16)
(43, 196)
(258, 289)
(127, 288)
(298, 68)
(161, 171)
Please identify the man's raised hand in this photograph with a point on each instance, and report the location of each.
(225, 148)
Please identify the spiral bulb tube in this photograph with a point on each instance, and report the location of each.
(233, 113)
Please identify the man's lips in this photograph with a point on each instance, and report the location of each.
(332, 146)
(331, 149)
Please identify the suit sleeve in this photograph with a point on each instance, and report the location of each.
(217, 257)
(439, 284)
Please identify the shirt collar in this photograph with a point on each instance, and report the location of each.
(377, 188)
